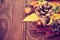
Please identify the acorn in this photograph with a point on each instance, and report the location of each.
(28, 10)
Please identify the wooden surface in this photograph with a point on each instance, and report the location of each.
(11, 25)
(11, 15)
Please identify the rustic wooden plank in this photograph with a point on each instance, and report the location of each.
(5, 18)
(18, 27)
(11, 16)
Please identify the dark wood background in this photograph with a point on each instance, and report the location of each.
(11, 25)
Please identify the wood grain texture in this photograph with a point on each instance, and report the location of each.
(11, 16)
(5, 18)
(18, 27)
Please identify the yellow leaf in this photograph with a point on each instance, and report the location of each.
(55, 16)
(33, 17)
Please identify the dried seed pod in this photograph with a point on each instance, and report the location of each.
(46, 9)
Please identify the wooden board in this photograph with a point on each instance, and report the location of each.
(5, 18)
(11, 16)
(18, 27)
